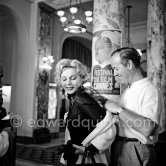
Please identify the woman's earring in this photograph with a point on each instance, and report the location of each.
(130, 66)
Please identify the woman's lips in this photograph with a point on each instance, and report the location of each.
(69, 88)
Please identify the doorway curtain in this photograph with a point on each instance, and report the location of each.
(75, 50)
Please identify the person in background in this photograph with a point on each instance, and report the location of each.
(83, 115)
(6, 132)
(138, 110)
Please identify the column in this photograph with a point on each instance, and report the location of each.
(156, 46)
(41, 132)
(108, 35)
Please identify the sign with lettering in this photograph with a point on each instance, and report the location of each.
(104, 81)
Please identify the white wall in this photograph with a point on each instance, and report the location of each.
(23, 55)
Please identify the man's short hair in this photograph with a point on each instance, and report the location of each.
(127, 53)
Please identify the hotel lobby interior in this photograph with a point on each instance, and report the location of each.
(34, 37)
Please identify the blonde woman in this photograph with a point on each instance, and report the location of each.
(83, 115)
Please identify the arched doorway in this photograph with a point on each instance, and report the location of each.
(78, 48)
(8, 50)
(13, 51)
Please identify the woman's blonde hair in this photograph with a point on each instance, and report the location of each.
(64, 63)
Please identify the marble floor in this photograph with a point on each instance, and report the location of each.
(54, 142)
(160, 148)
(28, 163)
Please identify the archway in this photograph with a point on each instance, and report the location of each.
(78, 48)
(8, 45)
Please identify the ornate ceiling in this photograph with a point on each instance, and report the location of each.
(138, 12)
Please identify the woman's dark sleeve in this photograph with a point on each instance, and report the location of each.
(91, 108)
(94, 111)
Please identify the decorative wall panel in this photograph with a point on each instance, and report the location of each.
(44, 50)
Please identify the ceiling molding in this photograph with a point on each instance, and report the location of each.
(35, 1)
(58, 4)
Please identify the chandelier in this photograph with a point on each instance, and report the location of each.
(74, 20)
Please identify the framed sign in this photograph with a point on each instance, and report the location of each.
(104, 81)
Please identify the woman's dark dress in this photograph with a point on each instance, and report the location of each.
(84, 114)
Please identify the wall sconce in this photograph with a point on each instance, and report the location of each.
(47, 62)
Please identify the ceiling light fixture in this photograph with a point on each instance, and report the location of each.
(73, 23)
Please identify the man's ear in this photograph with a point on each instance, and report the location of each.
(130, 64)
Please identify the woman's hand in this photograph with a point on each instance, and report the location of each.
(79, 149)
(91, 149)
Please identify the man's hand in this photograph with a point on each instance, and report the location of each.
(100, 99)
(111, 106)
